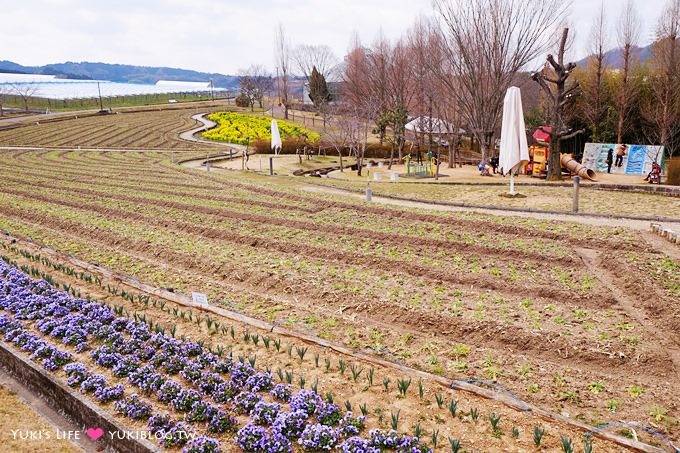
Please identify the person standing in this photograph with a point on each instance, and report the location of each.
(620, 152)
(610, 159)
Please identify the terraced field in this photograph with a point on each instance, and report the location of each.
(576, 319)
(124, 129)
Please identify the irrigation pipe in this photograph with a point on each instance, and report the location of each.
(504, 397)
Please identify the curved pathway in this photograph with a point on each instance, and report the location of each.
(190, 135)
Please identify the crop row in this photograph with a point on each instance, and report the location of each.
(141, 129)
(204, 390)
(478, 311)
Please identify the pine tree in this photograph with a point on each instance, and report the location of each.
(318, 89)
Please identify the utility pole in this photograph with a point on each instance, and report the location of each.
(101, 106)
(212, 93)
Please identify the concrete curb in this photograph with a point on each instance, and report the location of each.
(60, 397)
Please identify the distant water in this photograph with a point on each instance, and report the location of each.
(50, 87)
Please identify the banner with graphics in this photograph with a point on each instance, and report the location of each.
(637, 160)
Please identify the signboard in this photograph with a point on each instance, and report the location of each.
(637, 161)
(200, 298)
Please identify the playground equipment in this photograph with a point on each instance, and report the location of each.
(576, 168)
(421, 169)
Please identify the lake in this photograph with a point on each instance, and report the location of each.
(50, 87)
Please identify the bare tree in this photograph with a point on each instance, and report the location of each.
(340, 132)
(557, 73)
(4, 91)
(283, 66)
(628, 34)
(25, 91)
(254, 83)
(594, 101)
(306, 57)
(488, 42)
(362, 97)
(662, 107)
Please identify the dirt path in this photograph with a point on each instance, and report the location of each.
(55, 420)
(593, 260)
(642, 225)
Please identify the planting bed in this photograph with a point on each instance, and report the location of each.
(134, 129)
(577, 319)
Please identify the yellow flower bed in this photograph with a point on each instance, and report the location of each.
(241, 129)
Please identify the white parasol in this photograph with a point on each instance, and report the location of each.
(514, 150)
(276, 138)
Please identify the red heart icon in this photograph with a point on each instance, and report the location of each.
(94, 433)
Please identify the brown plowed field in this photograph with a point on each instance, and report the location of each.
(578, 319)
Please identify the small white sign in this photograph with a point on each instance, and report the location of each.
(199, 298)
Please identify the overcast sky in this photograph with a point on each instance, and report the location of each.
(225, 35)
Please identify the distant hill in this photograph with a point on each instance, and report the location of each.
(614, 57)
(120, 73)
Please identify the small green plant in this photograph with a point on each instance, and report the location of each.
(369, 375)
(417, 430)
(315, 386)
(342, 366)
(538, 435)
(246, 336)
(565, 443)
(327, 362)
(256, 339)
(279, 373)
(394, 420)
(440, 400)
(515, 432)
(455, 445)
(635, 391)
(277, 345)
(453, 407)
(403, 385)
(301, 382)
(348, 405)
(474, 414)
(356, 371)
(301, 351)
(435, 437)
(316, 360)
(613, 405)
(289, 350)
(364, 409)
(525, 371)
(329, 397)
(421, 389)
(494, 420)
(289, 377)
(266, 341)
(386, 384)
(461, 350)
(596, 387)
(587, 444)
(658, 414)
(532, 388)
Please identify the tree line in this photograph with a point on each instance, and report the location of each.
(452, 70)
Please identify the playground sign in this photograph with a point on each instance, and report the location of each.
(637, 161)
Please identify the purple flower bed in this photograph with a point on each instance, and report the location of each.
(181, 374)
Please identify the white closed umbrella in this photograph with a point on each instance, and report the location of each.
(514, 150)
(276, 138)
